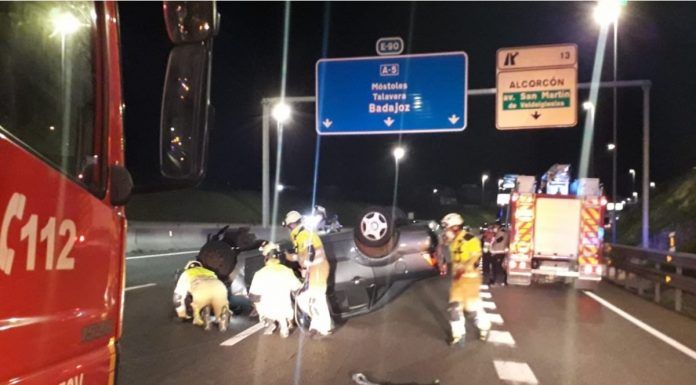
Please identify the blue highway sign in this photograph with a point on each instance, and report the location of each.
(421, 93)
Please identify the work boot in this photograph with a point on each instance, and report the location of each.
(224, 320)
(483, 335)
(284, 331)
(207, 321)
(317, 335)
(270, 328)
(198, 319)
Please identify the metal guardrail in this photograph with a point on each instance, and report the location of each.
(665, 269)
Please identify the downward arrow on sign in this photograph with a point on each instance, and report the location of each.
(536, 115)
(453, 119)
(389, 121)
(327, 122)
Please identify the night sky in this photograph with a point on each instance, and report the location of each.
(656, 42)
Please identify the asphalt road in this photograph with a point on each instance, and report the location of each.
(546, 334)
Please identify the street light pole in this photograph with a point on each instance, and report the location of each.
(281, 113)
(265, 167)
(398, 153)
(277, 185)
(615, 139)
(646, 166)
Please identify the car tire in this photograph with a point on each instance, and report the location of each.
(374, 227)
(219, 257)
(379, 251)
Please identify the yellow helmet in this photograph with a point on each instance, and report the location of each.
(292, 217)
(451, 220)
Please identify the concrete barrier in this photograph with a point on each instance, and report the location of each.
(172, 236)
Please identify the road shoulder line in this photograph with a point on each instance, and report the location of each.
(242, 335)
(649, 329)
(140, 286)
(160, 255)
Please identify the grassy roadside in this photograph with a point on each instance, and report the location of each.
(672, 208)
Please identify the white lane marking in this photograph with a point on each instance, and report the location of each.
(160, 255)
(140, 286)
(515, 372)
(488, 305)
(484, 287)
(656, 333)
(485, 295)
(244, 334)
(495, 318)
(500, 338)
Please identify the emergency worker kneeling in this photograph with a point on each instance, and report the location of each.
(205, 291)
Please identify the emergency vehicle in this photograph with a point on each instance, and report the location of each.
(556, 233)
(63, 184)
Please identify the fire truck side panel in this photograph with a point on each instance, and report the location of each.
(61, 247)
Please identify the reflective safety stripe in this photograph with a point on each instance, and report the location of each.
(524, 225)
(112, 361)
(589, 232)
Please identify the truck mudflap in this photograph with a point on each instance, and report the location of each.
(95, 367)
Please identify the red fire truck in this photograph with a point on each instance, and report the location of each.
(556, 235)
(63, 184)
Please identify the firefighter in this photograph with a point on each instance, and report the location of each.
(271, 290)
(465, 253)
(499, 249)
(206, 290)
(486, 241)
(309, 253)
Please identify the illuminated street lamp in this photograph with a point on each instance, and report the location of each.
(65, 24)
(587, 105)
(652, 184)
(434, 191)
(633, 178)
(607, 12)
(484, 179)
(611, 146)
(399, 153)
(281, 112)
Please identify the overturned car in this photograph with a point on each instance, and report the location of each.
(370, 264)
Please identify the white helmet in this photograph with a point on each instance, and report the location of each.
(320, 210)
(292, 217)
(268, 249)
(451, 220)
(192, 264)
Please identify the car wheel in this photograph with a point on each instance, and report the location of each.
(375, 227)
(219, 257)
(379, 251)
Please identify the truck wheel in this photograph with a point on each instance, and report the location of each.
(375, 227)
